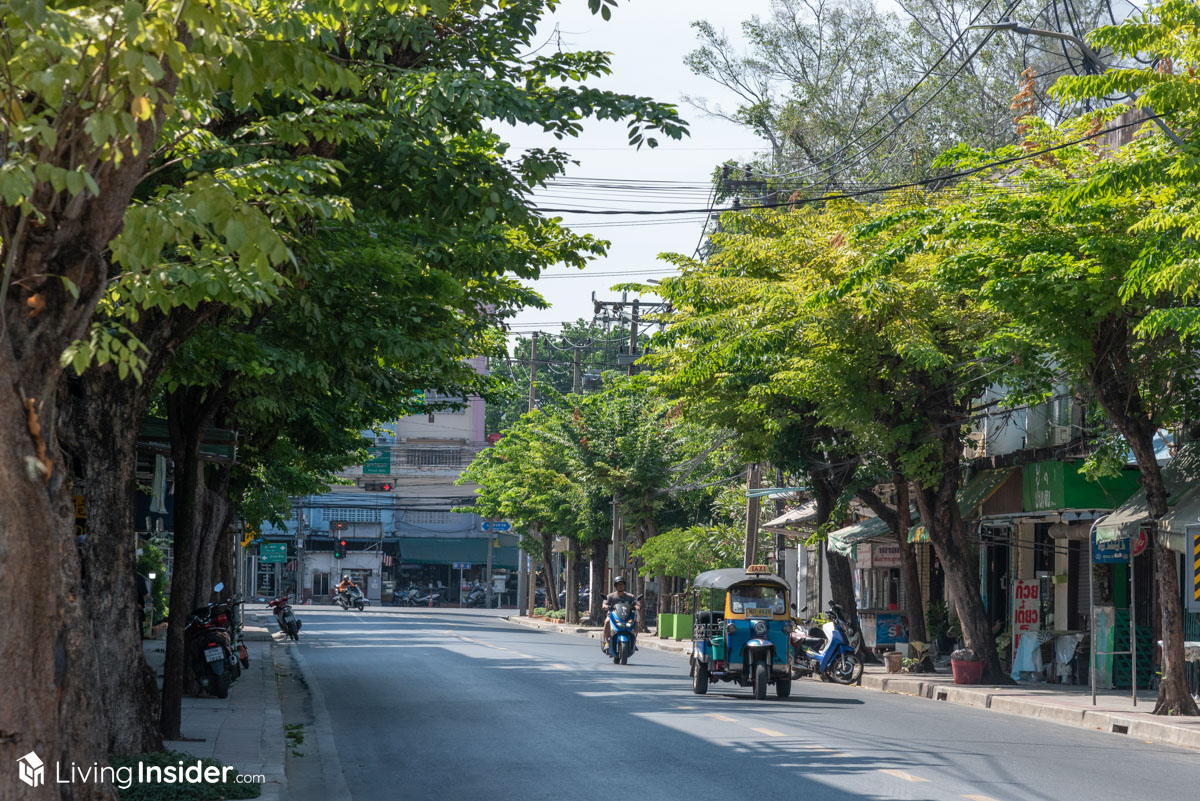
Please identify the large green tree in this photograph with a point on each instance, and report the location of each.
(185, 98)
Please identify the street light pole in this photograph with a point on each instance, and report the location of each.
(1090, 58)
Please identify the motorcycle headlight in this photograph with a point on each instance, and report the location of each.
(760, 628)
(787, 628)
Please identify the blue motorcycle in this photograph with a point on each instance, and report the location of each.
(825, 650)
(622, 622)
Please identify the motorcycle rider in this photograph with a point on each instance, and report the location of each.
(613, 598)
(346, 584)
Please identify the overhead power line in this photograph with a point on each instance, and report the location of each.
(892, 187)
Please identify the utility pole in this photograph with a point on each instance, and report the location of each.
(525, 578)
(752, 483)
(633, 334)
(571, 595)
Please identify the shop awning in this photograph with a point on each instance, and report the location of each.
(448, 550)
(844, 539)
(1181, 477)
(790, 521)
(970, 497)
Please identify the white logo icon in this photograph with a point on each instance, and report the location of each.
(32, 771)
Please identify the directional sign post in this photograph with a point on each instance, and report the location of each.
(496, 525)
(273, 552)
(460, 567)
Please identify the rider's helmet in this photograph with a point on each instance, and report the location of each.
(346, 577)
(618, 580)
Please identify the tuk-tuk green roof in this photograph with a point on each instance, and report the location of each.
(726, 577)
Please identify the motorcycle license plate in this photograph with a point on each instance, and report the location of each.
(213, 654)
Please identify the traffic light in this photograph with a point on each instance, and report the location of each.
(377, 486)
(339, 549)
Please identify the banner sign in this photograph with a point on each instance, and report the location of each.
(1027, 608)
(890, 629)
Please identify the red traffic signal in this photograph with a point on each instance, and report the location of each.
(339, 550)
(387, 486)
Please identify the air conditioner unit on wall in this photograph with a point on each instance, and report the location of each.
(1060, 435)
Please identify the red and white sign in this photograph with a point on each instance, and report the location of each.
(1139, 542)
(1027, 610)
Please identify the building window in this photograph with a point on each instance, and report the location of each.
(433, 457)
(350, 515)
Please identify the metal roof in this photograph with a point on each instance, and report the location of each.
(726, 577)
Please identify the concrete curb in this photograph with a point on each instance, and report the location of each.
(1065, 709)
(273, 742)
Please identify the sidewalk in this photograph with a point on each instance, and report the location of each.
(1055, 703)
(244, 730)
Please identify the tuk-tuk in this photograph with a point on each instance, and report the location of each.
(741, 626)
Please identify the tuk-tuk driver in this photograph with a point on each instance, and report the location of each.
(612, 599)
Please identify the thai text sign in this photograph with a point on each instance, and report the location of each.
(1027, 608)
(890, 629)
(885, 555)
(270, 552)
(379, 461)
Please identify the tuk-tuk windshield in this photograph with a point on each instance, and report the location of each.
(751, 599)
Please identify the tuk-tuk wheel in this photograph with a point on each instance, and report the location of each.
(760, 681)
(783, 687)
(700, 678)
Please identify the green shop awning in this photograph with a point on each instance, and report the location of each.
(1053, 485)
(970, 497)
(448, 550)
(1181, 476)
(844, 539)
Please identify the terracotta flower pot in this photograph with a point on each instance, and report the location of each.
(967, 671)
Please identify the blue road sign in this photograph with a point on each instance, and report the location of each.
(496, 525)
(462, 565)
(1107, 552)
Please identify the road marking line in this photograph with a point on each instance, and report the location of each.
(815, 748)
(899, 774)
(770, 732)
(685, 707)
(722, 717)
(979, 798)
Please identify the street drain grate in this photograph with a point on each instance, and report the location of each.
(1120, 728)
(941, 695)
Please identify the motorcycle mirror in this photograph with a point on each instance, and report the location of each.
(794, 607)
(220, 586)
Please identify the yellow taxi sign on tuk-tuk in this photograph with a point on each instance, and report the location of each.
(758, 569)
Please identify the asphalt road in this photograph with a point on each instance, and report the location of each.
(414, 704)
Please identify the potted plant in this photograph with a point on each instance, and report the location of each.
(966, 666)
(941, 629)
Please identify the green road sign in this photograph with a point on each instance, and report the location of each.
(272, 552)
(379, 461)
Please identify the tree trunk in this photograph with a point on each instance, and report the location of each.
(841, 576)
(570, 593)
(1117, 390)
(939, 509)
(189, 411)
(99, 418)
(596, 592)
(548, 569)
(48, 660)
(899, 523)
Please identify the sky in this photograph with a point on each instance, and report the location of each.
(648, 40)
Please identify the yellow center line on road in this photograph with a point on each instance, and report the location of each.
(979, 798)
(770, 732)
(899, 774)
(722, 717)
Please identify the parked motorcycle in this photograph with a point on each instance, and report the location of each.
(423, 599)
(825, 650)
(477, 597)
(225, 616)
(622, 640)
(406, 597)
(209, 651)
(289, 624)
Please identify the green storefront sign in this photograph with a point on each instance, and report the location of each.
(270, 552)
(379, 461)
(1060, 485)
